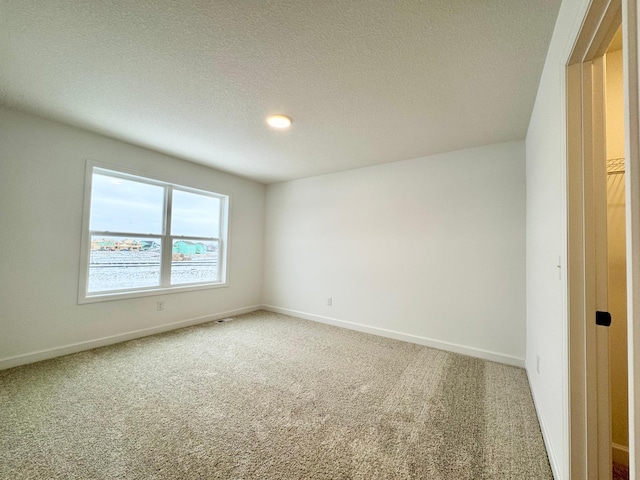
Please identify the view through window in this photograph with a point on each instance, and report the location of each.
(146, 235)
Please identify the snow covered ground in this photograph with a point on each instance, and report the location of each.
(119, 270)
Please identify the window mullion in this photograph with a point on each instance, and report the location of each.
(165, 276)
(106, 233)
(200, 239)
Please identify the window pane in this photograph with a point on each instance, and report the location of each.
(194, 261)
(118, 263)
(195, 215)
(119, 205)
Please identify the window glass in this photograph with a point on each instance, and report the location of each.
(195, 215)
(118, 263)
(121, 205)
(194, 261)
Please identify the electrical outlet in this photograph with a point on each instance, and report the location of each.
(159, 306)
(538, 364)
(330, 301)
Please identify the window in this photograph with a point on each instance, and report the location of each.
(142, 236)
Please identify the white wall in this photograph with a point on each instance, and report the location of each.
(431, 249)
(42, 172)
(547, 326)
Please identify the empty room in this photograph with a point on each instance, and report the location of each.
(314, 240)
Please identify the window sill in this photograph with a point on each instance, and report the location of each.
(110, 296)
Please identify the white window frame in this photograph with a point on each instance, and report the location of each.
(84, 296)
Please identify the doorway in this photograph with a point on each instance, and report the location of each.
(596, 438)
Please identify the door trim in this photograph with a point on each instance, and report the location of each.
(632, 185)
(596, 29)
(589, 416)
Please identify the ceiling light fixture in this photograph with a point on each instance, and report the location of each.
(279, 121)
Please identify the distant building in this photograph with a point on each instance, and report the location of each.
(129, 245)
(189, 248)
(113, 245)
(103, 244)
(149, 245)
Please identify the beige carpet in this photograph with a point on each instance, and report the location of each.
(268, 396)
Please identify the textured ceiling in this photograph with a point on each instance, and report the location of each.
(365, 81)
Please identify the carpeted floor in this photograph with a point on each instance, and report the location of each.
(620, 472)
(268, 396)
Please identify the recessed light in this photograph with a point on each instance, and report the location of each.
(279, 121)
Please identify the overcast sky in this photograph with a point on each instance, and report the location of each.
(119, 205)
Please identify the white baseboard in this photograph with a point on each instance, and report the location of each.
(553, 461)
(37, 356)
(383, 332)
(32, 357)
(620, 454)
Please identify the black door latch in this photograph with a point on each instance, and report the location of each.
(603, 319)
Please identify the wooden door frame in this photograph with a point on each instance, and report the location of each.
(632, 172)
(590, 435)
(588, 452)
